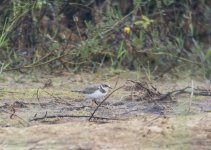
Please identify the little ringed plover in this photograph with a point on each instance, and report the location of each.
(95, 92)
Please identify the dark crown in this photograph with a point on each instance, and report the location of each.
(105, 85)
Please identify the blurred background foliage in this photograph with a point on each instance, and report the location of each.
(156, 36)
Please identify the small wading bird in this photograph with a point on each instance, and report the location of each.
(95, 92)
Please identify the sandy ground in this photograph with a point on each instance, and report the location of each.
(135, 125)
(187, 132)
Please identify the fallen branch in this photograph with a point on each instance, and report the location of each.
(149, 92)
(197, 91)
(64, 116)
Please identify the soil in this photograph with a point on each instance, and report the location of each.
(39, 111)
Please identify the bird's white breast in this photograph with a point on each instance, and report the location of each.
(96, 94)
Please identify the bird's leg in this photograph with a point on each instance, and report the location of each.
(94, 102)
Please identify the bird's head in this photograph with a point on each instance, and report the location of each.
(105, 87)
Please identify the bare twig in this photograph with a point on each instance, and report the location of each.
(180, 91)
(33, 65)
(191, 95)
(38, 98)
(56, 98)
(65, 116)
(139, 83)
(116, 82)
(13, 114)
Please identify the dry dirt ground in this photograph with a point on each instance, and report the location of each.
(40, 112)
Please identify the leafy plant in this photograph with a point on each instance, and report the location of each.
(4, 36)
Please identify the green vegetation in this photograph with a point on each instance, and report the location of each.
(154, 36)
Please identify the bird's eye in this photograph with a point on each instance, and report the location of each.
(104, 85)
